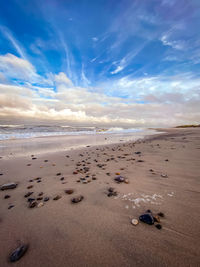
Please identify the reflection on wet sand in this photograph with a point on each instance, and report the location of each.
(22, 147)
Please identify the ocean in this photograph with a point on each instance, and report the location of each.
(21, 140)
(30, 131)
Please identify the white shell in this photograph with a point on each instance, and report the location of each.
(134, 221)
(40, 205)
(164, 175)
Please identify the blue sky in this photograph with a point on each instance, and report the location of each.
(133, 63)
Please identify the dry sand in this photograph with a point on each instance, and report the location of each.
(97, 231)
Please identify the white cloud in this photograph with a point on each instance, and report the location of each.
(118, 69)
(18, 68)
(8, 89)
(13, 67)
(92, 60)
(10, 61)
(3, 78)
(184, 83)
(80, 106)
(95, 39)
(85, 80)
(168, 2)
(125, 61)
(69, 60)
(61, 78)
(176, 44)
(150, 101)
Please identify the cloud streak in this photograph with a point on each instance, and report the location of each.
(7, 33)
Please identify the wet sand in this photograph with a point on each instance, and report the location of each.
(164, 177)
(48, 144)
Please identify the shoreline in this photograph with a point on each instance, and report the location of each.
(163, 175)
(52, 144)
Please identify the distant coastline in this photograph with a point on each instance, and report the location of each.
(188, 126)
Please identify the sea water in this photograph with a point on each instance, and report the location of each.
(29, 131)
(22, 140)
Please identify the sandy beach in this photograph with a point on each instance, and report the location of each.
(161, 174)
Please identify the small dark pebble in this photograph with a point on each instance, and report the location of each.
(1, 173)
(34, 158)
(147, 218)
(69, 191)
(119, 179)
(46, 160)
(30, 186)
(7, 196)
(10, 206)
(62, 178)
(111, 194)
(138, 152)
(59, 173)
(28, 194)
(32, 204)
(18, 253)
(46, 199)
(8, 186)
(40, 194)
(77, 199)
(39, 181)
(158, 226)
(28, 164)
(148, 211)
(57, 197)
(39, 198)
(161, 214)
(30, 199)
(111, 189)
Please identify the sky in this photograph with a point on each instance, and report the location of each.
(131, 63)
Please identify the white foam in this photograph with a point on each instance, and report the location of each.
(154, 199)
